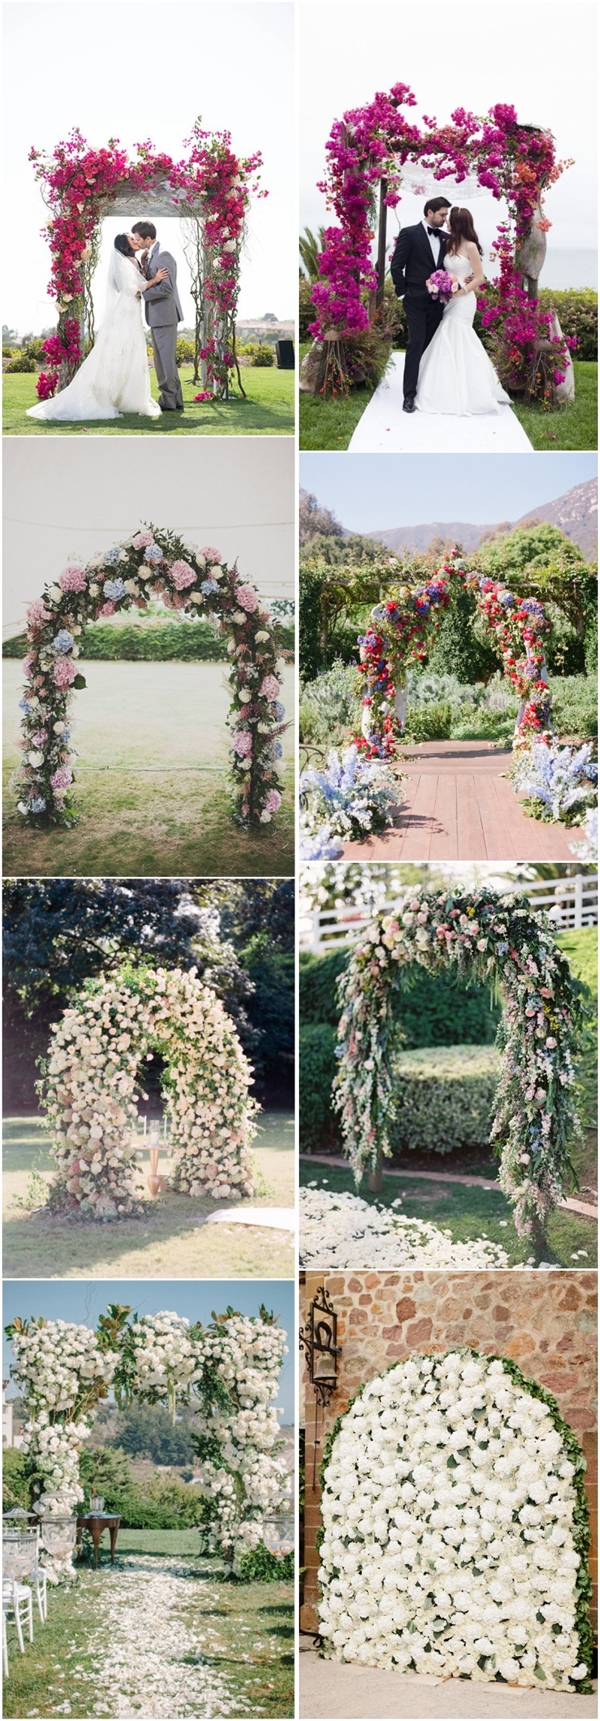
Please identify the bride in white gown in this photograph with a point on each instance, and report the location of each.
(455, 375)
(115, 377)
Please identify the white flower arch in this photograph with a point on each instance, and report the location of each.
(228, 1371)
(456, 1531)
(92, 1078)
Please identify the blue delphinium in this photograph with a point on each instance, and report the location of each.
(558, 780)
(587, 849)
(354, 796)
(319, 844)
(37, 805)
(114, 589)
(63, 641)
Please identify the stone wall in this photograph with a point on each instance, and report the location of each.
(545, 1321)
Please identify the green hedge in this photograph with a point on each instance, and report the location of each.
(444, 1097)
(577, 310)
(162, 642)
(434, 1010)
(575, 705)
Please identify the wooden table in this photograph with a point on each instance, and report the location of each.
(96, 1523)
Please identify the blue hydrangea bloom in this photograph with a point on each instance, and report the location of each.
(112, 556)
(209, 586)
(153, 553)
(37, 805)
(63, 640)
(24, 705)
(114, 589)
(506, 599)
(279, 710)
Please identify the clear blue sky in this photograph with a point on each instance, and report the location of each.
(83, 1301)
(370, 491)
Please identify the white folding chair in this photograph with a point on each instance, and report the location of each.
(16, 1596)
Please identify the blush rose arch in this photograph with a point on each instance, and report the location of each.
(209, 190)
(494, 939)
(228, 1372)
(455, 1533)
(193, 583)
(368, 150)
(93, 1076)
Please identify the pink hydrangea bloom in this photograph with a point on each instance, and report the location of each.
(108, 608)
(242, 743)
(37, 612)
(28, 665)
(38, 739)
(273, 801)
(142, 540)
(63, 672)
(72, 579)
(246, 597)
(182, 575)
(61, 778)
(211, 555)
(269, 688)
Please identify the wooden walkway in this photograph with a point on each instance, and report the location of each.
(458, 806)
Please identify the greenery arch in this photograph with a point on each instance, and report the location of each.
(153, 563)
(210, 190)
(500, 940)
(456, 1530)
(229, 1370)
(89, 1092)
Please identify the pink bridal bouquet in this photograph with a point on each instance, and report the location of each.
(441, 285)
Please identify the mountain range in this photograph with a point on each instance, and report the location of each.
(576, 514)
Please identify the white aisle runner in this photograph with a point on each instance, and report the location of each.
(385, 428)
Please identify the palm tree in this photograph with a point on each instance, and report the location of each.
(310, 248)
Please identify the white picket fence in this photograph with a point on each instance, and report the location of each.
(571, 903)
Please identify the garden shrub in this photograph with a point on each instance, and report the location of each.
(306, 309)
(184, 352)
(142, 642)
(264, 356)
(444, 1097)
(318, 1066)
(429, 722)
(435, 1009)
(24, 362)
(16, 1479)
(260, 1566)
(331, 706)
(575, 706)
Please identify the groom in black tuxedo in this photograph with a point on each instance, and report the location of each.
(418, 252)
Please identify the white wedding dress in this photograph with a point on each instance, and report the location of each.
(115, 377)
(455, 375)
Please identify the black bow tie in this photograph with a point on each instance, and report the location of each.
(434, 232)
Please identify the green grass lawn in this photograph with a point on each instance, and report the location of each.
(151, 780)
(467, 1211)
(242, 1634)
(169, 1242)
(269, 410)
(331, 423)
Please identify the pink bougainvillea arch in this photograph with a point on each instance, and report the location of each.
(397, 637)
(195, 584)
(209, 189)
(366, 152)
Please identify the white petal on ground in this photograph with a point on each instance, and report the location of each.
(343, 1231)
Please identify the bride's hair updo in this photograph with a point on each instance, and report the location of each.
(122, 244)
(460, 222)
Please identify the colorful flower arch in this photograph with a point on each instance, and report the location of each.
(152, 564)
(499, 940)
(211, 188)
(367, 150)
(92, 1080)
(455, 1527)
(398, 638)
(228, 1372)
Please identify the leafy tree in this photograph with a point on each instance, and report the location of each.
(146, 1430)
(310, 247)
(316, 520)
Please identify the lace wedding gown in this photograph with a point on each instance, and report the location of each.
(115, 377)
(455, 375)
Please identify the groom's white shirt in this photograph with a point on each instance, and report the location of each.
(433, 241)
(155, 248)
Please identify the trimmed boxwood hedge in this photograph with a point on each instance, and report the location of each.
(444, 1099)
(149, 642)
(435, 1011)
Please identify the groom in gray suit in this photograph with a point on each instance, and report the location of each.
(163, 313)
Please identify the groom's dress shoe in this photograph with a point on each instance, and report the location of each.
(409, 404)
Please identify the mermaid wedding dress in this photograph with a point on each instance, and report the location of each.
(114, 378)
(455, 375)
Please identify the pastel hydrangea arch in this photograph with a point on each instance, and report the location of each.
(94, 1074)
(499, 940)
(193, 584)
(228, 1371)
(455, 1527)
